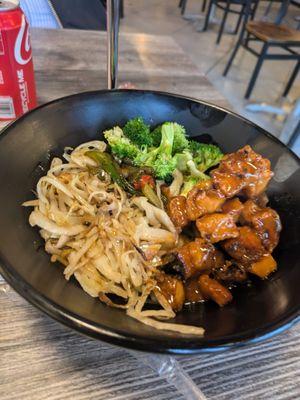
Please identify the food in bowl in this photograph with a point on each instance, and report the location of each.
(150, 220)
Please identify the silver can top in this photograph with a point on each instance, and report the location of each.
(7, 5)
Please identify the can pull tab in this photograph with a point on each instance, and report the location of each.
(112, 25)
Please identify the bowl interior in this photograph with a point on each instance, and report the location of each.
(25, 150)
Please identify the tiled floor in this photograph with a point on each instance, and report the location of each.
(163, 17)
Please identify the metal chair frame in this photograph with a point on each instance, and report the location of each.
(263, 54)
(182, 5)
(227, 9)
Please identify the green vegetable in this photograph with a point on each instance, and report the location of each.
(160, 158)
(180, 141)
(138, 132)
(193, 162)
(194, 171)
(120, 146)
(185, 163)
(163, 150)
(188, 184)
(156, 136)
(182, 159)
(149, 192)
(107, 164)
(164, 167)
(205, 155)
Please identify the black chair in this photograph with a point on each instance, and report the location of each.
(75, 14)
(272, 36)
(226, 6)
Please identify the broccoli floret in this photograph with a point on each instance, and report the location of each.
(164, 167)
(182, 160)
(138, 132)
(120, 146)
(205, 155)
(194, 146)
(188, 184)
(180, 141)
(198, 158)
(160, 158)
(186, 164)
(194, 171)
(156, 136)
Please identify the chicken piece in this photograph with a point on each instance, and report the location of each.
(217, 227)
(246, 248)
(177, 211)
(244, 171)
(233, 207)
(258, 185)
(265, 221)
(249, 209)
(228, 183)
(268, 225)
(261, 200)
(231, 271)
(205, 184)
(264, 267)
(214, 290)
(172, 289)
(200, 202)
(219, 258)
(193, 293)
(197, 256)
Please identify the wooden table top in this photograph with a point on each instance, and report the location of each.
(43, 360)
(69, 61)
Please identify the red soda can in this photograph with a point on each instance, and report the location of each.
(17, 86)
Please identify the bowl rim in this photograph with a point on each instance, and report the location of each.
(97, 331)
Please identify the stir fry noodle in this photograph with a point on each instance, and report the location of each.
(91, 227)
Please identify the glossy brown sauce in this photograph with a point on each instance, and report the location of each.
(192, 292)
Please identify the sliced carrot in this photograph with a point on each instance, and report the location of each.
(264, 267)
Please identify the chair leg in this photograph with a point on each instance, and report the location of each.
(294, 136)
(268, 9)
(122, 9)
(180, 3)
(247, 39)
(183, 6)
(239, 20)
(220, 33)
(233, 54)
(256, 70)
(291, 80)
(207, 16)
(254, 9)
(203, 5)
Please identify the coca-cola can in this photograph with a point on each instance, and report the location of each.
(17, 85)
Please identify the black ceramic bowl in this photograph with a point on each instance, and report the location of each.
(26, 147)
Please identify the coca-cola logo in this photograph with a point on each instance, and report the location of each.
(22, 45)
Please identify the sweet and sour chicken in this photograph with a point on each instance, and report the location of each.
(236, 231)
(243, 171)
